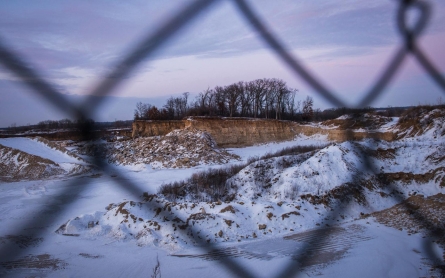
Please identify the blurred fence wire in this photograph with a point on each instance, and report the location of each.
(153, 41)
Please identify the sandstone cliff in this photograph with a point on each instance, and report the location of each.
(155, 128)
(239, 132)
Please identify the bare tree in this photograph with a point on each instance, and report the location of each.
(258, 98)
(232, 98)
(141, 111)
(257, 88)
(290, 103)
(308, 108)
(280, 92)
(220, 100)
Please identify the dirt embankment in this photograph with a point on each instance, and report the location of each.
(155, 128)
(239, 132)
(244, 132)
(341, 135)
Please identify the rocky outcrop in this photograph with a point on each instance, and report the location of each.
(239, 132)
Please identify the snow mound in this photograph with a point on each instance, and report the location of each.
(285, 178)
(423, 122)
(340, 167)
(19, 165)
(174, 226)
(178, 149)
(277, 196)
(43, 148)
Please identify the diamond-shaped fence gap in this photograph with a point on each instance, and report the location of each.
(428, 66)
(7, 250)
(146, 47)
(34, 81)
(279, 48)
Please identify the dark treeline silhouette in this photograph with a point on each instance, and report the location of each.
(261, 98)
(65, 123)
(68, 124)
(333, 113)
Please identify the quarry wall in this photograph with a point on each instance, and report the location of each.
(239, 132)
(243, 131)
(154, 128)
(341, 135)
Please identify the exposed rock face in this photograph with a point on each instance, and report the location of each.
(239, 132)
(155, 128)
(341, 135)
(244, 132)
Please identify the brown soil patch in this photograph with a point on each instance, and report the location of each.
(228, 209)
(417, 214)
(287, 215)
(344, 193)
(355, 191)
(413, 121)
(366, 121)
(89, 256)
(43, 261)
(437, 175)
(21, 240)
(195, 217)
(382, 153)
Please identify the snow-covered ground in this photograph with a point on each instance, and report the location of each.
(95, 240)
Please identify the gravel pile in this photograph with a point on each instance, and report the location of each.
(179, 149)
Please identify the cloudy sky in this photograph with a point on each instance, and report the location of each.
(74, 44)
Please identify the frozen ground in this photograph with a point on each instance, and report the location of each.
(31, 212)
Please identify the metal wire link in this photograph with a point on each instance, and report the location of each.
(153, 41)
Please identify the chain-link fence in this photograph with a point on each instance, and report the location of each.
(154, 41)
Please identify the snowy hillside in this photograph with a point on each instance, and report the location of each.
(279, 195)
(359, 208)
(24, 158)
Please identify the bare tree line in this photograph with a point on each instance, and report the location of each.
(261, 98)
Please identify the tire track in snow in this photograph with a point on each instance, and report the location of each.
(338, 241)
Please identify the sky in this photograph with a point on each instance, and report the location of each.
(73, 45)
